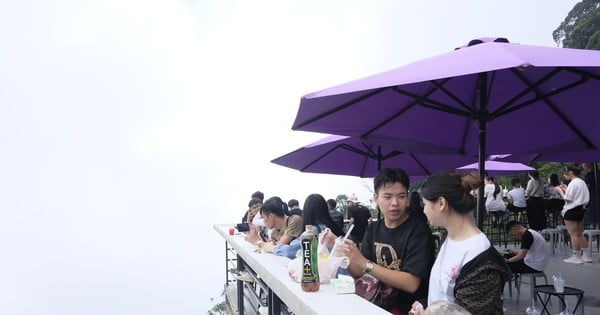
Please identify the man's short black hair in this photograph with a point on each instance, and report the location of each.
(512, 224)
(293, 203)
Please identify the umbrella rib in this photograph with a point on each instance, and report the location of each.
(318, 158)
(530, 87)
(420, 164)
(392, 117)
(429, 103)
(452, 96)
(340, 107)
(539, 97)
(561, 116)
(582, 73)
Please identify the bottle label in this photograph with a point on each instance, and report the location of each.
(310, 271)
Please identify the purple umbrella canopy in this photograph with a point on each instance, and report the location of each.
(343, 155)
(525, 99)
(489, 97)
(575, 156)
(498, 168)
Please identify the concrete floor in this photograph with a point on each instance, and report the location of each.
(585, 277)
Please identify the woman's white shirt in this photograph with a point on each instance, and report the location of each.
(453, 255)
(493, 203)
(577, 194)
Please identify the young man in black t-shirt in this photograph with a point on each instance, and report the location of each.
(397, 250)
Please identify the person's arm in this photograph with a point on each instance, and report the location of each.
(529, 188)
(479, 291)
(288, 251)
(293, 229)
(526, 243)
(562, 191)
(252, 237)
(520, 255)
(358, 263)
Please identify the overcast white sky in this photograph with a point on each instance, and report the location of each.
(128, 128)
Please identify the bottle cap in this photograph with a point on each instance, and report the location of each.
(308, 227)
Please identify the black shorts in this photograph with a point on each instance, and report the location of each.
(513, 208)
(575, 214)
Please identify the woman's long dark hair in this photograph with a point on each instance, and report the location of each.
(496, 186)
(454, 187)
(316, 212)
(554, 180)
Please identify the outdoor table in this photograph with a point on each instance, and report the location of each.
(549, 291)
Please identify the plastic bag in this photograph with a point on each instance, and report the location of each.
(328, 265)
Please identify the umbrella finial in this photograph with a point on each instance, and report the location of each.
(482, 40)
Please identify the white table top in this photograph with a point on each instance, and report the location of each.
(273, 271)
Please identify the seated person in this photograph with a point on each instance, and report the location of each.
(534, 253)
(516, 199)
(283, 228)
(315, 213)
(493, 201)
(397, 250)
(294, 206)
(253, 207)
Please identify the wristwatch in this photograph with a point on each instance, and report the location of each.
(369, 267)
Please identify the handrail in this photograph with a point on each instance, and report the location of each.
(273, 272)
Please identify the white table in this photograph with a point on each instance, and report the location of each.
(274, 273)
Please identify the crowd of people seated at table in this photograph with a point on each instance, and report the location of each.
(398, 250)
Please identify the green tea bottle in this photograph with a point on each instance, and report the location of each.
(310, 265)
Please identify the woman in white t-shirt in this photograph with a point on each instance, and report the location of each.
(467, 270)
(576, 196)
(494, 204)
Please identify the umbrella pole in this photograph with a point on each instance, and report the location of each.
(379, 158)
(596, 191)
(482, 87)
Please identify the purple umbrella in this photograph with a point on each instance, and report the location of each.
(498, 168)
(486, 98)
(344, 155)
(575, 156)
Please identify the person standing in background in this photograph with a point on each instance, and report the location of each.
(294, 207)
(536, 214)
(360, 216)
(415, 208)
(554, 202)
(591, 180)
(337, 216)
(576, 196)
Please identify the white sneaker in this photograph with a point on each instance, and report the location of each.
(586, 258)
(573, 260)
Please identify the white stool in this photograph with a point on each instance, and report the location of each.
(557, 239)
(532, 283)
(590, 234)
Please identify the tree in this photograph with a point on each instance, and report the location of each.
(581, 27)
(221, 307)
